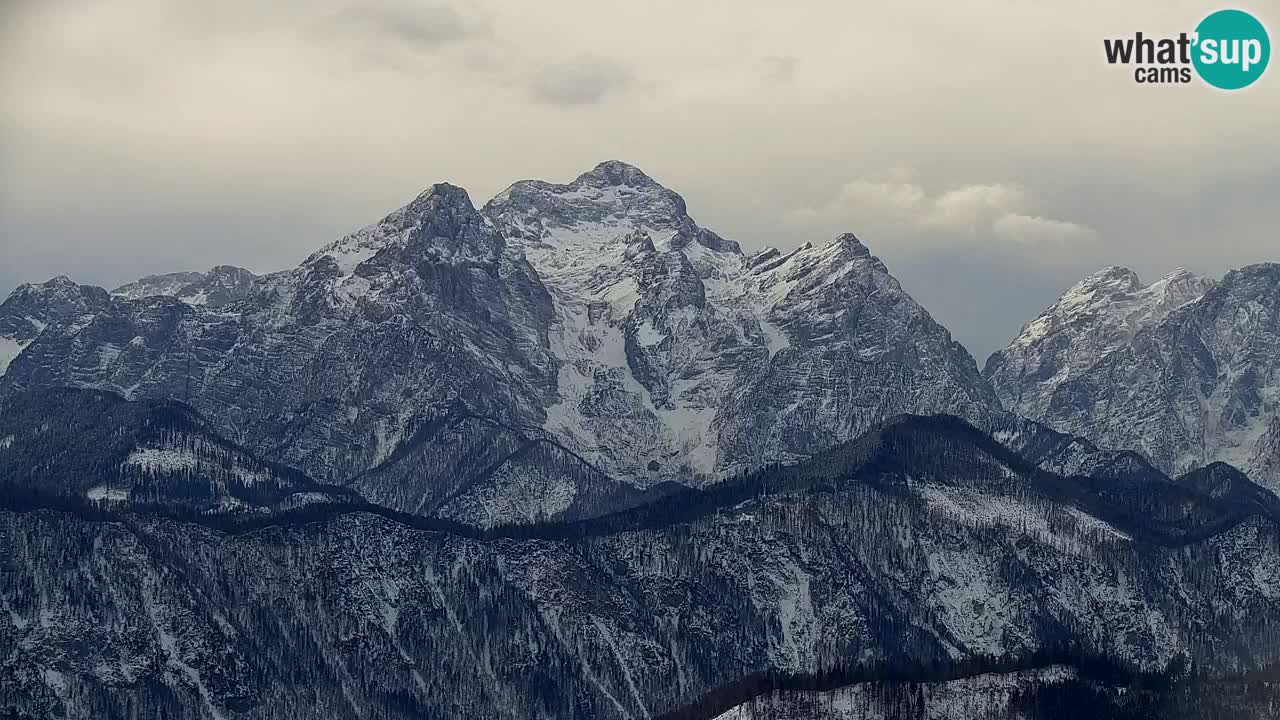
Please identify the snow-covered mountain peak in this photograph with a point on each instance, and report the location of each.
(597, 313)
(60, 286)
(56, 282)
(164, 284)
(1111, 276)
(850, 242)
(1262, 276)
(1182, 370)
(1117, 288)
(590, 213)
(1111, 305)
(442, 197)
(1095, 316)
(617, 173)
(31, 308)
(441, 221)
(679, 351)
(221, 285)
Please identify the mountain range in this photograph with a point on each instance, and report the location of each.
(1185, 370)
(594, 322)
(571, 454)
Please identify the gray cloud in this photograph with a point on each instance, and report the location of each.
(425, 27)
(582, 81)
(780, 69)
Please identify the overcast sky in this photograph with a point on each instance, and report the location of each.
(984, 149)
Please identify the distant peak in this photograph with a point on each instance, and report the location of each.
(1113, 275)
(1184, 282)
(616, 172)
(443, 194)
(228, 270)
(441, 200)
(849, 241)
(1260, 280)
(1264, 270)
(442, 217)
(1116, 278)
(1112, 272)
(60, 283)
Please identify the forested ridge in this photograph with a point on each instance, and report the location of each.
(924, 554)
(1150, 507)
(1070, 695)
(1084, 685)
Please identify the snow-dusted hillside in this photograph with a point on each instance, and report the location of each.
(70, 446)
(1185, 371)
(924, 543)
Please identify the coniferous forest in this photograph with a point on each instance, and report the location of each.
(924, 570)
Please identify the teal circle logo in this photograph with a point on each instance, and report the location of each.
(1232, 49)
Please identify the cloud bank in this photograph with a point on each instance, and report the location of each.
(965, 214)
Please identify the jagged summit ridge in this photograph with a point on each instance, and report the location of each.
(1103, 311)
(715, 356)
(1183, 370)
(595, 208)
(441, 221)
(598, 313)
(617, 172)
(220, 285)
(33, 307)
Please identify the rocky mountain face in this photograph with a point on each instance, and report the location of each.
(592, 326)
(330, 365)
(30, 309)
(922, 544)
(1185, 371)
(1098, 316)
(221, 285)
(681, 353)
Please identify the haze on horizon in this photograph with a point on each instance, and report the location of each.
(987, 152)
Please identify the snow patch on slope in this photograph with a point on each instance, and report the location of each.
(10, 348)
(969, 602)
(593, 267)
(163, 460)
(974, 508)
(775, 338)
(108, 494)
